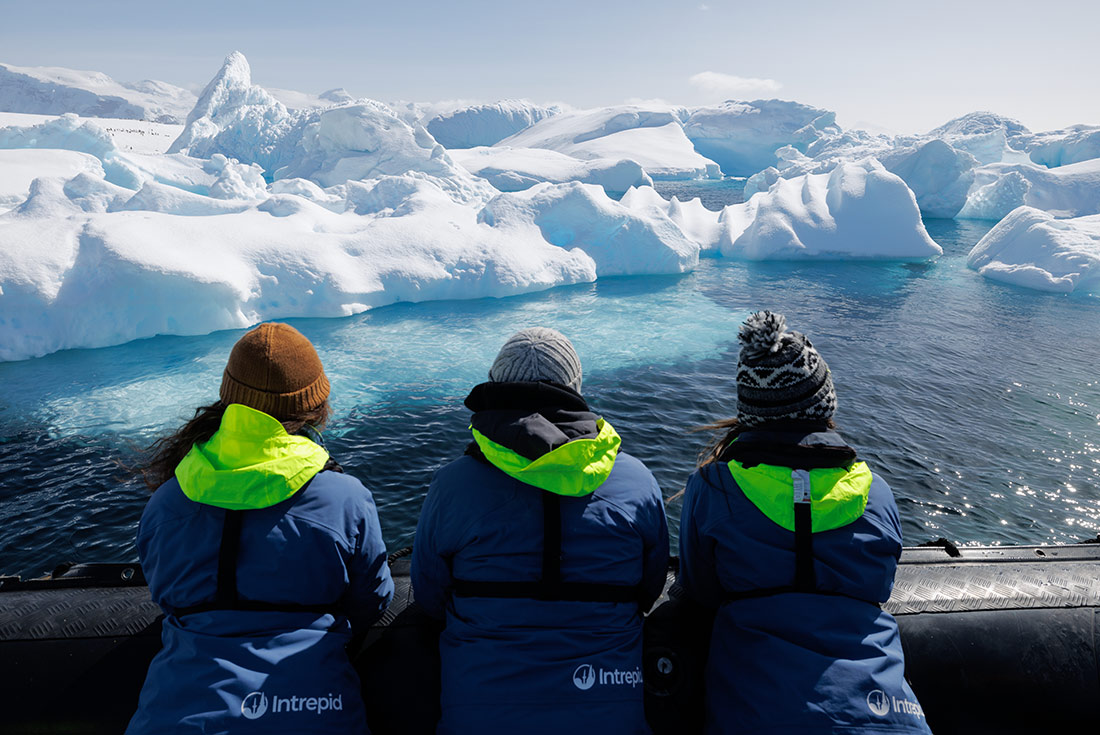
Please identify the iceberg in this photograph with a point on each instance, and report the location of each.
(858, 210)
(55, 91)
(1030, 248)
(939, 175)
(1063, 147)
(742, 137)
(989, 137)
(485, 125)
(1072, 190)
(651, 137)
(266, 212)
(516, 169)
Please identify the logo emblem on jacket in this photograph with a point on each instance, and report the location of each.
(254, 705)
(584, 677)
(878, 702)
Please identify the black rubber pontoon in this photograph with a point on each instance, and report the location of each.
(997, 640)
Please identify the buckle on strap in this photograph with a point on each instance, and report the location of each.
(805, 579)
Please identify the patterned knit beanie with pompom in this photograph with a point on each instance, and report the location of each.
(780, 376)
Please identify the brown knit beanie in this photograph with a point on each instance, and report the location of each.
(275, 369)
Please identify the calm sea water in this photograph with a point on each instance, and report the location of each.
(979, 402)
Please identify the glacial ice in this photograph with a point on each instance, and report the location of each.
(650, 136)
(1067, 191)
(1063, 147)
(742, 137)
(484, 125)
(516, 169)
(266, 211)
(1031, 248)
(858, 210)
(989, 137)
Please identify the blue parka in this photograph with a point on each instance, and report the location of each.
(782, 660)
(513, 663)
(310, 560)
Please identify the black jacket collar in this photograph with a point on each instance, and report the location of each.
(798, 445)
(531, 419)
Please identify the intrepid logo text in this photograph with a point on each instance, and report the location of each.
(255, 704)
(585, 677)
(881, 704)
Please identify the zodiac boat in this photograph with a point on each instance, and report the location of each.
(1002, 639)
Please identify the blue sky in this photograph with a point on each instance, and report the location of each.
(906, 67)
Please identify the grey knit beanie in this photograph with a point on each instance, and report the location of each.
(537, 353)
(780, 376)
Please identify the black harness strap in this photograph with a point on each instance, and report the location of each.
(226, 597)
(805, 579)
(551, 539)
(550, 587)
(562, 591)
(786, 589)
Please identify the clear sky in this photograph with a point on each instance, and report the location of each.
(902, 66)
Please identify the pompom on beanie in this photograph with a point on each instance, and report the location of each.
(780, 376)
(538, 353)
(275, 369)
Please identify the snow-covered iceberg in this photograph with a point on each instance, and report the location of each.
(650, 136)
(1031, 248)
(267, 212)
(858, 210)
(989, 137)
(55, 91)
(1067, 191)
(516, 169)
(742, 137)
(1061, 147)
(484, 125)
(939, 176)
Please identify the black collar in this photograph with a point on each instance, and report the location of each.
(798, 446)
(531, 419)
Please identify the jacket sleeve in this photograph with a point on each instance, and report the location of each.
(371, 587)
(698, 564)
(655, 569)
(431, 572)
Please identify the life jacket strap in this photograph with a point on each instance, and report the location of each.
(805, 579)
(226, 596)
(540, 590)
(787, 589)
(550, 587)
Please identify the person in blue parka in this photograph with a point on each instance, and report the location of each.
(794, 543)
(264, 556)
(541, 548)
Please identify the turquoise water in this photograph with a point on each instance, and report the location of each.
(979, 402)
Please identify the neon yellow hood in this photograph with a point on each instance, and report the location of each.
(250, 462)
(838, 496)
(574, 469)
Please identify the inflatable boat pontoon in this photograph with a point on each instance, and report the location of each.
(997, 640)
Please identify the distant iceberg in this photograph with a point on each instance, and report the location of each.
(651, 136)
(743, 137)
(486, 124)
(516, 169)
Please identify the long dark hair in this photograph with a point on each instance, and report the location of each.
(724, 432)
(167, 452)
